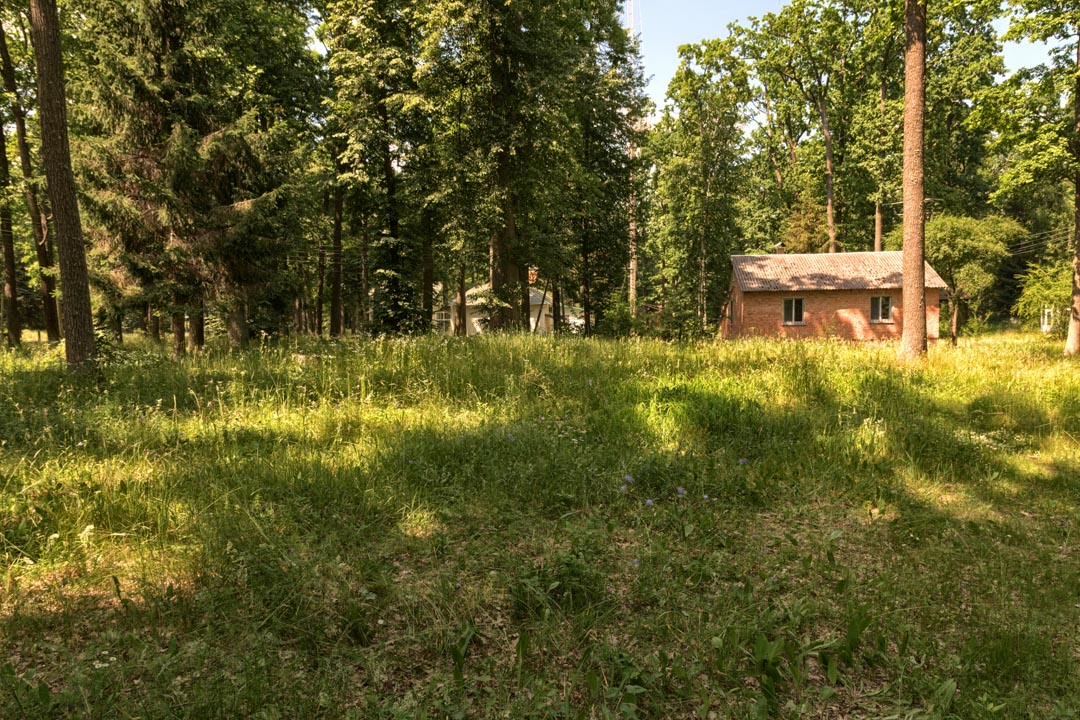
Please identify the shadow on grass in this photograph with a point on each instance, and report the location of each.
(308, 547)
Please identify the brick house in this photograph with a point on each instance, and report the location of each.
(855, 295)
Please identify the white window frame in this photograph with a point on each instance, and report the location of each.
(797, 318)
(876, 315)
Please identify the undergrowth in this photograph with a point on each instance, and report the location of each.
(535, 527)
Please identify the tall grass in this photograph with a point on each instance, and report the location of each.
(534, 527)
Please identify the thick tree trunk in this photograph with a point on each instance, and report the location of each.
(38, 219)
(337, 314)
(12, 325)
(1072, 340)
(77, 319)
(504, 271)
(913, 338)
(830, 207)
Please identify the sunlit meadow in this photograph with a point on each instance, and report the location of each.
(534, 527)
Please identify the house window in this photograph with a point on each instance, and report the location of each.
(793, 311)
(441, 321)
(881, 309)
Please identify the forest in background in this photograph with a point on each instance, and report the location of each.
(288, 166)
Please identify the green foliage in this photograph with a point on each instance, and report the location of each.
(1047, 285)
(968, 254)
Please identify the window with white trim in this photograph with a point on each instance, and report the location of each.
(793, 311)
(881, 309)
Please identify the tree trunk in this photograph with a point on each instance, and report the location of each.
(632, 280)
(77, 319)
(153, 325)
(7, 241)
(1072, 341)
(337, 314)
(913, 338)
(39, 221)
(954, 319)
(365, 284)
(879, 216)
(879, 226)
(830, 207)
(556, 307)
(179, 343)
(586, 271)
(462, 310)
(427, 281)
(319, 292)
(236, 325)
(197, 335)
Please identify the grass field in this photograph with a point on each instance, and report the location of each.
(523, 527)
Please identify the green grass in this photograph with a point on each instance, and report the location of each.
(436, 528)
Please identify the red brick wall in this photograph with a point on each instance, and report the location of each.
(826, 313)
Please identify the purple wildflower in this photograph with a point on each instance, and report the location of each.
(622, 488)
(635, 562)
(743, 461)
(706, 497)
(457, 586)
(629, 479)
(511, 436)
(649, 502)
(681, 490)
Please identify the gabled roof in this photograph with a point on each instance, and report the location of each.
(824, 271)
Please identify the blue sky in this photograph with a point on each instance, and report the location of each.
(666, 24)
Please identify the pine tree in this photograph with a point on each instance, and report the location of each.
(80, 347)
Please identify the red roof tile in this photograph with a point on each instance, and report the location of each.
(824, 271)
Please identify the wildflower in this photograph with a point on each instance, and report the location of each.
(680, 490)
(706, 497)
(457, 586)
(81, 443)
(649, 502)
(635, 562)
(510, 436)
(743, 461)
(622, 488)
(629, 479)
